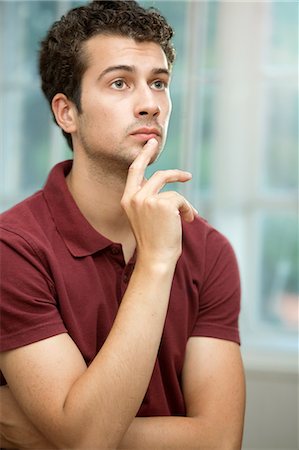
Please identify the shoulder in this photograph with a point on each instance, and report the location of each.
(202, 241)
(26, 220)
(26, 230)
(210, 259)
(32, 218)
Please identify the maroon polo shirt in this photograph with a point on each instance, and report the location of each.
(58, 274)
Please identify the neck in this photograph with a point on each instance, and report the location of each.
(97, 193)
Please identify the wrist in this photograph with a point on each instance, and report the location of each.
(155, 267)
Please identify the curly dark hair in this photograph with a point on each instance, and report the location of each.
(62, 63)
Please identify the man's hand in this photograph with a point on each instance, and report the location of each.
(16, 430)
(155, 217)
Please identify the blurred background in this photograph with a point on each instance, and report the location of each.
(235, 127)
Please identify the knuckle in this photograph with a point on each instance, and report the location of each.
(162, 174)
(150, 201)
(124, 202)
(135, 201)
(135, 166)
(132, 167)
(175, 196)
(129, 202)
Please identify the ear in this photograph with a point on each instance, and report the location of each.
(65, 113)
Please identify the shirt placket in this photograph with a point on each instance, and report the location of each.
(123, 270)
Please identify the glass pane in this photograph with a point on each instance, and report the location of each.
(280, 269)
(204, 133)
(210, 56)
(282, 137)
(36, 140)
(26, 120)
(284, 33)
(175, 13)
(24, 24)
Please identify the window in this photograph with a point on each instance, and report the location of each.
(234, 125)
(30, 144)
(241, 144)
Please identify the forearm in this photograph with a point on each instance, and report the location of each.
(176, 433)
(214, 394)
(110, 392)
(4, 443)
(102, 401)
(16, 431)
(160, 433)
(39, 443)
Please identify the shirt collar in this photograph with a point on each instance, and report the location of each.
(79, 236)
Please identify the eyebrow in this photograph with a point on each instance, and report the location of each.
(132, 69)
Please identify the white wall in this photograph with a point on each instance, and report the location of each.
(272, 411)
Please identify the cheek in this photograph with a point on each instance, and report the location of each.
(167, 107)
(168, 114)
(94, 117)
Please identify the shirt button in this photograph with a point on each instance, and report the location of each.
(115, 250)
(126, 278)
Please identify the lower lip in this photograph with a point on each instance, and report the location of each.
(145, 136)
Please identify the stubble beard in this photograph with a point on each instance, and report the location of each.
(113, 164)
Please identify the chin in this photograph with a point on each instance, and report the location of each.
(135, 151)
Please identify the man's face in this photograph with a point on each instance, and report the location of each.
(125, 99)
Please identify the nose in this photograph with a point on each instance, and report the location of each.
(146, 104)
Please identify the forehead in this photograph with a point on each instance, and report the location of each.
(102, 51)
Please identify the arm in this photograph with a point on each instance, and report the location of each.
(214, 422)
(214, 391)
(15, 428)
(75, 407)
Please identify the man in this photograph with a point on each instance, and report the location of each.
(119, 304)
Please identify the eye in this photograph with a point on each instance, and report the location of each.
(160, 85)
(119, 84)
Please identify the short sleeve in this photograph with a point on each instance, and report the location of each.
(220, 293)
(28, 306)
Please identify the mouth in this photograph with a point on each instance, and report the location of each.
(145, 134)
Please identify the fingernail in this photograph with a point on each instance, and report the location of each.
(152, 141)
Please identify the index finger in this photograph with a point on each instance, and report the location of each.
(137, 169)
